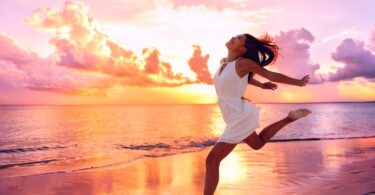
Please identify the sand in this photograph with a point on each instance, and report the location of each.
(344, 166)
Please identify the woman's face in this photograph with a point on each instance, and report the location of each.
(237, 43)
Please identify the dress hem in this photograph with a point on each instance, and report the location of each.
(242, 141)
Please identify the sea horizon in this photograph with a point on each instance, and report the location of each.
(185, 103)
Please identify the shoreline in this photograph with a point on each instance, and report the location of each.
(316, 166)
(126, 163)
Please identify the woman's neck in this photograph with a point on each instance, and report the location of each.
(232, 56)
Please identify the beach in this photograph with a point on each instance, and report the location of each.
(129, 97)
(337, 166)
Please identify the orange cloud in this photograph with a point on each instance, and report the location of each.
(198, 64)
(86, 62)
(80, 45)
(154, 65)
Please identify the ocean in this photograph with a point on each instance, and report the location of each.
(50, 139)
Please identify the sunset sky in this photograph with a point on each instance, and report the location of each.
(166, 52)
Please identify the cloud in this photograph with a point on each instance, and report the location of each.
(154, 65)
(372, 38)
(61, 80)
(358, 61)
(80, 45)
(198, 64)
(44, 74)
(20, 67)
(79, 42)
(294, 59)
(11, 51)
(86, 61)
(218, 4)
(160, 70)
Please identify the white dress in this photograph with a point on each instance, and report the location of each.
(241, 116)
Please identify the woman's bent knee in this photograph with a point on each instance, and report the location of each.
(254, 141)
(258, 147)
(212, 160)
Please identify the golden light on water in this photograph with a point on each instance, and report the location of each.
(332, 157)
(231, 169)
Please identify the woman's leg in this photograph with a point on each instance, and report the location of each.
(256, 141)
(214, 157)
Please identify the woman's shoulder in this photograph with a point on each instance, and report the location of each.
(246, 64)
(223, 60)
(241, 61)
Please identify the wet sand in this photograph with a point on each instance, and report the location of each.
(344, 166)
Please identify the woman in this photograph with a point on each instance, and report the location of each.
(246, 56)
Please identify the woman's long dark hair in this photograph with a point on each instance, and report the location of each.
(263, 50)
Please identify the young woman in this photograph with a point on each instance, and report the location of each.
(246, 56)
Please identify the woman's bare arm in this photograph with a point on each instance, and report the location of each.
(252, 66)
(255, 83)
(280, 78)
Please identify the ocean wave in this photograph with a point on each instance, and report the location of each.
(177, 144)
(318, 138)
(27, 163)
(164, 149)
(145, 146)
(30, 149)
(184, 144)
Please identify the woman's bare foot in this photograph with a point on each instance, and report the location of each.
(297, 114)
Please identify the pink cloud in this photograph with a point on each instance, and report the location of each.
(23, 68)
(358, 61)
(294, 59)
(218, 4)
(11, 51)
(372, 38)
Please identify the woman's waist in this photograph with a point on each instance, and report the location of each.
(228, 97)
(234, 102)
(230, 102)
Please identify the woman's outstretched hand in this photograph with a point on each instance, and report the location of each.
(269, 85)
(304, 81)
